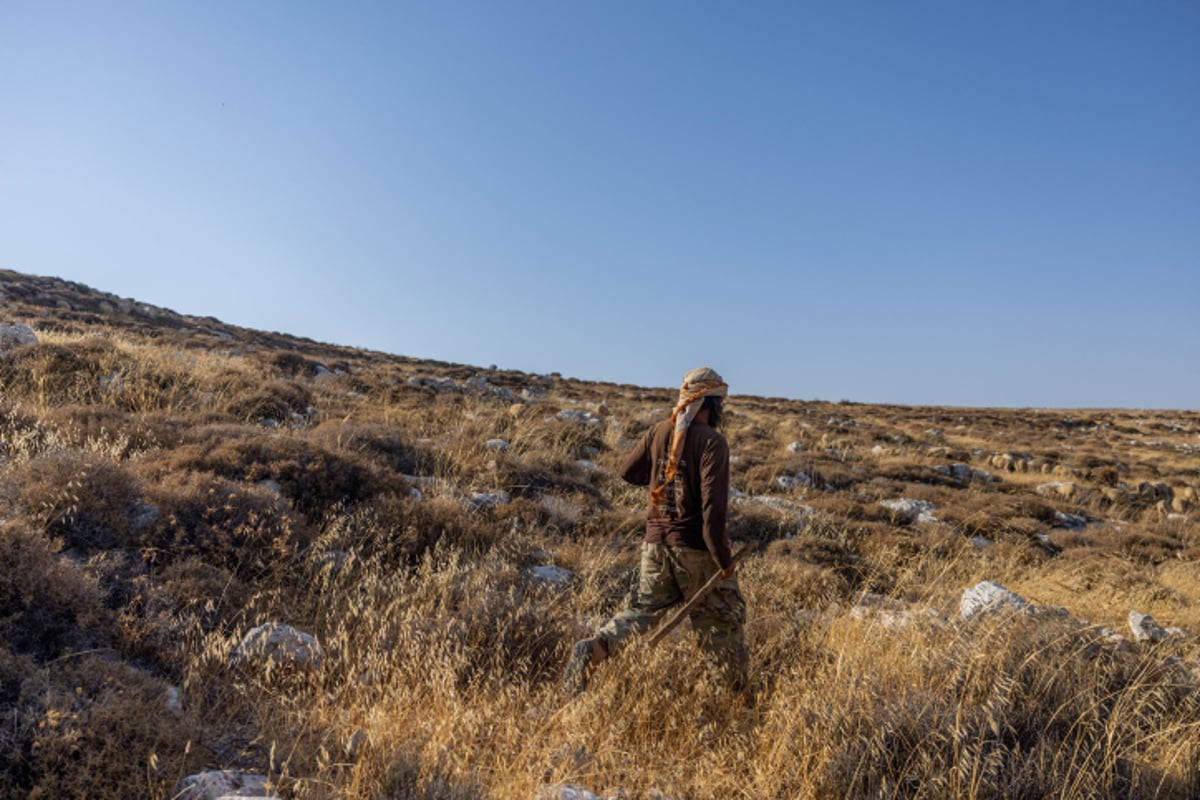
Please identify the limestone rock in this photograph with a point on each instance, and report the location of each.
(15, 335)
(565, 791)
(280, 645)
(1145, 629)
(499, 445)
(909, 510)
(578, 416)
(795, 448)
(549, 577)
(222, 783)
(962, 473)
(790, 483)
(485, 500)
(987, 596)
(1070, 521)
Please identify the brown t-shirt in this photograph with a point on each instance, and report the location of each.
(693, 514)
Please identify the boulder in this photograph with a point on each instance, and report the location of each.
(790, 483)
(222, 783)
(548, 577)
(499, 445)
(481, 501)
(565, 791)
(962, 473)
(15, 335)
(908, 510)
(1064, 490)
(279, 645)
(577, 416)
(1145, 629)
(988, 597)
(1070, 521)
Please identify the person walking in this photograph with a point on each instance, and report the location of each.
(685, 463)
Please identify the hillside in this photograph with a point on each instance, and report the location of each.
(168, 484)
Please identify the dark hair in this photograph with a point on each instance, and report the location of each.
(716, 410)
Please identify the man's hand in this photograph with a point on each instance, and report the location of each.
(727, 573)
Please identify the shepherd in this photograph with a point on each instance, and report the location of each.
(685, 462)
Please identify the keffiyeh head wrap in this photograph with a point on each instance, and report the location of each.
(697, 384)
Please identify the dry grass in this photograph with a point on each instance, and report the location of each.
(168, 483)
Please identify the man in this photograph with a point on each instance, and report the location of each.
(685, 462)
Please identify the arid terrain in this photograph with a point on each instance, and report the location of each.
(436, 536)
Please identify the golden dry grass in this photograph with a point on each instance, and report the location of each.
(168, 483)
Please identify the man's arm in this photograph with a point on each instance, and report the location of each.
(714, 501)
(636, 467)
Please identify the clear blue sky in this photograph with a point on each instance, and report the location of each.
(922, 202)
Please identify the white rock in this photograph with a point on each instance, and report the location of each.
(565, 791)
(1071, 521)
(549, 577)
(587, 465)
(790, 483)
(15, 335)
(987, 596)
(499, 445)
(879, 450)
(1145, 629)
(577, 416)
(484, 500)
(795, 447)
(980, 542)
(282, 645)
(222, 783)
(174, 702)
(911, 510)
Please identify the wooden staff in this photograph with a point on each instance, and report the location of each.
(678, 616)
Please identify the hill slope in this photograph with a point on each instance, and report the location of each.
(169, 483)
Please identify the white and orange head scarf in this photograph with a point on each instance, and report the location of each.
(697, 384)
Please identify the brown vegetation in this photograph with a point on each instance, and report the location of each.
(168, 483)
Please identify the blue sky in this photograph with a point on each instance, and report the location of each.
(979, 204)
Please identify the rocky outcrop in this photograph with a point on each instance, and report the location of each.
(221, 784)
(278, 645)
(15, 335)
(990, 597)
(908, 510)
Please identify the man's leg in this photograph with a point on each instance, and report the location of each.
(658, 590)
(719, 621)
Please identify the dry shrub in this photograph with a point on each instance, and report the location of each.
(316, 480)
(241, 528)
(92, 727)
(57, 374)
(762, 524)
(117, 433)
(278, 401)
(85, 500)
(371, 441)
(48, 605)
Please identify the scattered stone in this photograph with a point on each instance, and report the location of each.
(281, 645)
(578, 416)
(790, 483)
(909, 510)
(15, 335)
(142, 515)
(795, 447)
(438, 385)
(549, 577)
(174, 701)
(879, 450)
(499, 445)
(1061, 489)
(532, 394)
(1072, 522)
(565, 791)
(962, 473)
(222, 783)
(480, 501)
(891, 613)
(355, 743)
(1145, 629)
(481, 385)
(987, 596)
(587, 465)
(980, 542)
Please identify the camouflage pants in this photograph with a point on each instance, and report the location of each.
(669, 577)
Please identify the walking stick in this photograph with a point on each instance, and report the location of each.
(678, 616)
